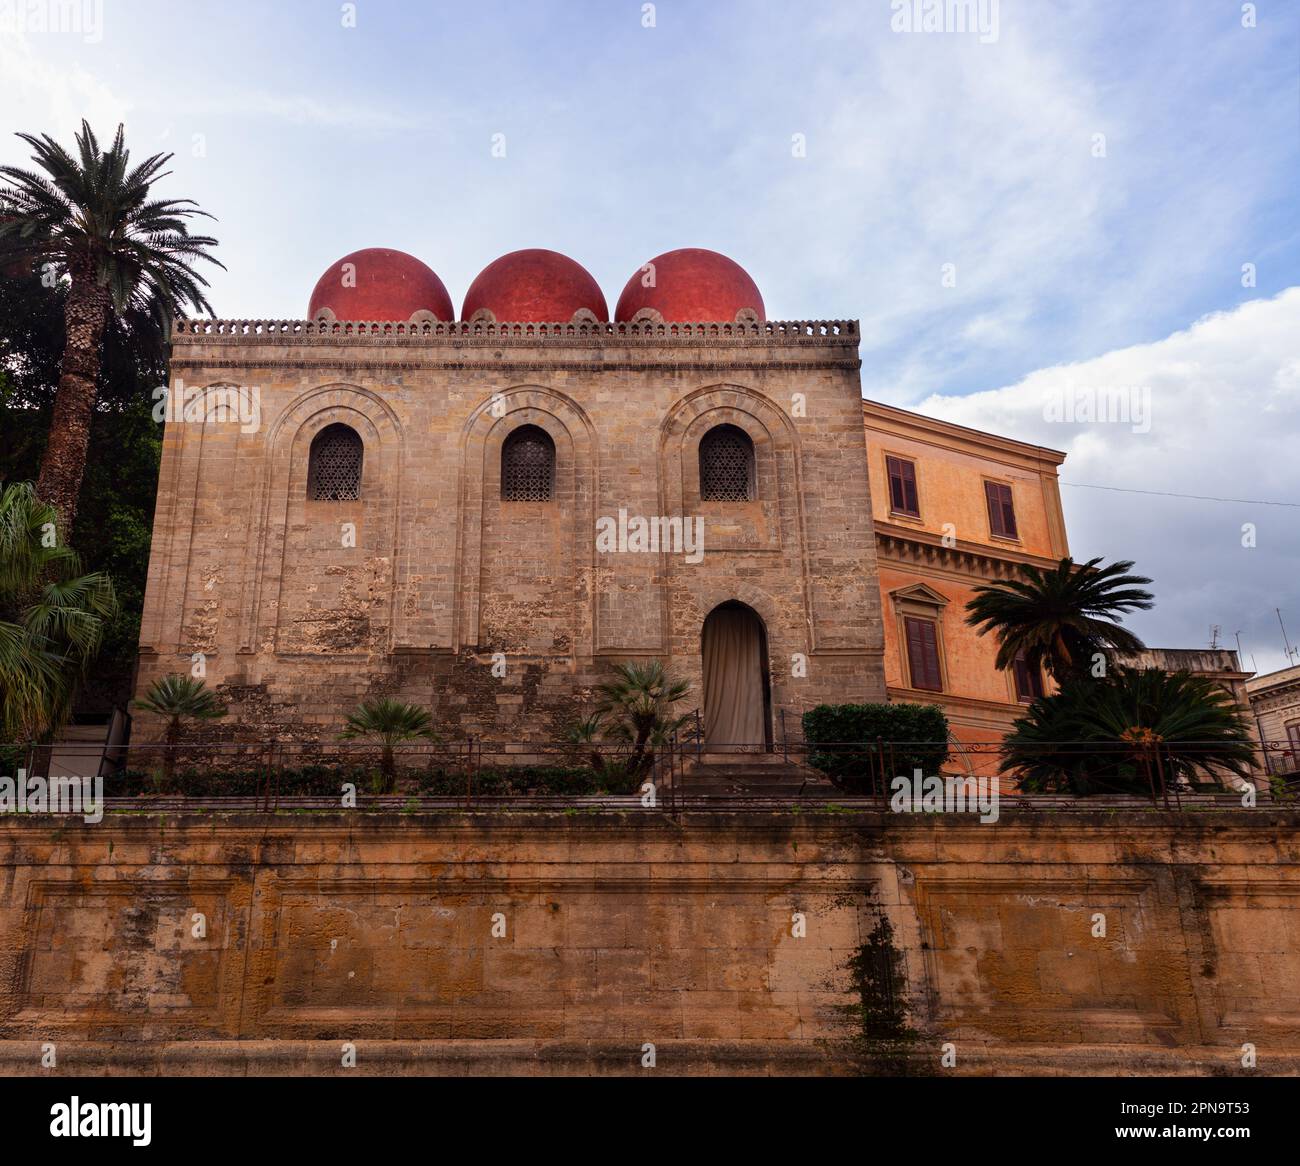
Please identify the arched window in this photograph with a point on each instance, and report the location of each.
(726, 465)
(334, 465)
(528, 466)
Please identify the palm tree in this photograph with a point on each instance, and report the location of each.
(639, 700)
(52, 617)
(392, 722)
(587, 731)
(179, 698)
(1061, 617)
(91, 219)
(1140, 730)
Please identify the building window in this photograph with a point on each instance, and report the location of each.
(903, 498)
(1293, 737)
(334, 465)
(726, 465)
(923, 653)
(1002, 512)
(528, 466)
(1029, 680)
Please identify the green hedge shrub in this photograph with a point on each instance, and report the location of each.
(843, 742)
(500, 781)
(328, 780)
(305, 781)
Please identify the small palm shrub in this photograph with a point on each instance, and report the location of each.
(636, 710)
(1131, 732)
(176, 699)
(390, 722)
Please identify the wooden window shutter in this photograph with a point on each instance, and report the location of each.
(923, 654)
(903, 497)
(1002, 511)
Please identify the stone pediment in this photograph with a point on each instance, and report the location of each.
(918, 595)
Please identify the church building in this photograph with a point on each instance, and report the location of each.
(481, 512)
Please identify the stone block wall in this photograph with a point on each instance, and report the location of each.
(831, 943)
(295, 623)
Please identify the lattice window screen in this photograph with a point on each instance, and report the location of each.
(334, 471)
(528, 466)
(726, 465)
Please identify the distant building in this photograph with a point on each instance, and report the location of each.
(1275, 703)
(1218, 664)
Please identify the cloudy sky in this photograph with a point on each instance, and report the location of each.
(1110, 187)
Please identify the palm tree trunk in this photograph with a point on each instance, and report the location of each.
(64, 463)
(169, 756)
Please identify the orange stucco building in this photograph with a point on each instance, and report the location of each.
(952, 508)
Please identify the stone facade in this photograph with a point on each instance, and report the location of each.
(302, 608)
(823, 943)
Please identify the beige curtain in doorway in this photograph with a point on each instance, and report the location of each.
(733, 678)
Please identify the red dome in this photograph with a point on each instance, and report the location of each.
(380, 285)
(534, 287)
(690, 284)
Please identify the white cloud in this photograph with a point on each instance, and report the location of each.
(1224, 414)
(45, 97)
(299, 109)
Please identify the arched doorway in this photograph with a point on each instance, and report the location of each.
(736, 684)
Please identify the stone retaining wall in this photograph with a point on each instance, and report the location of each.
(731, 942)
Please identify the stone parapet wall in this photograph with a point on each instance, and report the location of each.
(831, 943)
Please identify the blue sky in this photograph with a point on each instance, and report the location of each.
(623, 141)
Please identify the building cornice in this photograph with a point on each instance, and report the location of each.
(393, 360)
(948, 435)
(644, 346)
(489, 334)
(919, 548)
(1284, 680)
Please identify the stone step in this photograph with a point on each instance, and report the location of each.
(740, 769)
(771, 780)
(736, 757)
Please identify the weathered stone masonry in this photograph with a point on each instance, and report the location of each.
(627, 928)
(296, 627)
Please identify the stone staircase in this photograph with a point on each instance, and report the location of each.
(730, 774)
(78, 751)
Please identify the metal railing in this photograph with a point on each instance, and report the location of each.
(679, 774)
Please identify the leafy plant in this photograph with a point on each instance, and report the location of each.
(1132, 732)
(550, 780)
(637, 710)
(1061, 617)
(52, 617)
(176, 699)
(1282, 789)
(861, 747)
(390, 722)
(587, 731)
(90, 218)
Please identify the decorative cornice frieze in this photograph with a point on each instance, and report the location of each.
(975, 559)
(466, 333)
(181, 360)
